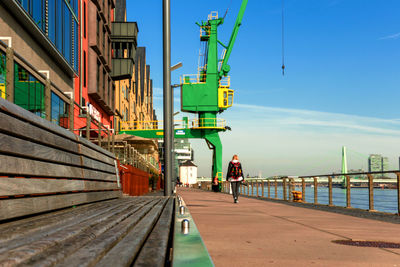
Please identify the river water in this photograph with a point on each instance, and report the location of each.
(384, 199)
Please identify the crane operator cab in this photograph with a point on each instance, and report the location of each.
(225, 98)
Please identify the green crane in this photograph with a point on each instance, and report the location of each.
(206, 93)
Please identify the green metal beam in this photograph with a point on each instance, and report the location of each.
(225, 67)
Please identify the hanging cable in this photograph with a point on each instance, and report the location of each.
(283, 37)
(226, 12)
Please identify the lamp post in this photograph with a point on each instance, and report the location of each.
(167, 97)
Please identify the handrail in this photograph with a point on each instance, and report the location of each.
(287, 186)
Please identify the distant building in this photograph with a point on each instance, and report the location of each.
(375, 163)
(183, 150)
(188, 173)
(385, 163)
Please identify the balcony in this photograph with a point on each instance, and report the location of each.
(122, 68)
(124, 44)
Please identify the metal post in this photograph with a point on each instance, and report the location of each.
(371, 192)
(269, 188)
(398, 193)
(330, 190)
(276, 189)
(71, 114)
(88, 122)
(284, 189)
(315, 190)
(257, 187)
(168, 123)
(303, 189)
(108, 140)
(262, 188)
(47, 100)
(291, 183)
(10, 74)
(113, 143)
(99, 134)
(348, 188)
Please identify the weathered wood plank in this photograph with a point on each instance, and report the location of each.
(11, 208)
(97, 165)
(23, 114)
(53, 247)
(16, 127)
(15, 166)
(154, 251)
(17, 186)
(87, 151)
(124, 252)
(24, 228)
(89, 144)
(22, 147)
(92, 251)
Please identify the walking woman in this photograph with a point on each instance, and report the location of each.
(235, 176)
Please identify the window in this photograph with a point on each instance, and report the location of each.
(2, 75)
(28, 91)
(38, 14)
(76, 46)
(52, 21)
(84, 20)
(59, 111)
(61, 24)
(84, 68)
(67, 33)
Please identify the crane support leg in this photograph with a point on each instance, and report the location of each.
(213, 139)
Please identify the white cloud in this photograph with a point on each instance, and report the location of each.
(392, 36)
(300, 142)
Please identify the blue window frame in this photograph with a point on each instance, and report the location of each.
(62, 24)
(59, 111)
(67, 33)
(52, 21)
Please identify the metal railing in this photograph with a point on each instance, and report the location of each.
(204, 123)
(375, 192)
(193, 78)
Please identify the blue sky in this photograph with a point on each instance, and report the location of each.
(341, 84)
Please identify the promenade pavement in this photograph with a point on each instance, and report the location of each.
(262, 233)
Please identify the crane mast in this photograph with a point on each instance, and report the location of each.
(208, 92)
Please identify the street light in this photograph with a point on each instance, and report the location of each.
(168, 98)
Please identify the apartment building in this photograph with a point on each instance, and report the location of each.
(39, 56)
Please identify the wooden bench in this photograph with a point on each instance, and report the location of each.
(46, 167)
(61, 203)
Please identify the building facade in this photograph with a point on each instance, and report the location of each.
(377, 163)
(188, 173)
(39, 56)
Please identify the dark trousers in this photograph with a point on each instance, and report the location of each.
(235, 189)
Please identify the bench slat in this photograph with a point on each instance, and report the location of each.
(15, 166)
(16, 127)
(24, 228)
(124, 252)
(90, 254)
(25, 115)
(21, 147)
(54, 247)
(11, 208)
(154, 251)
(17, 186)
